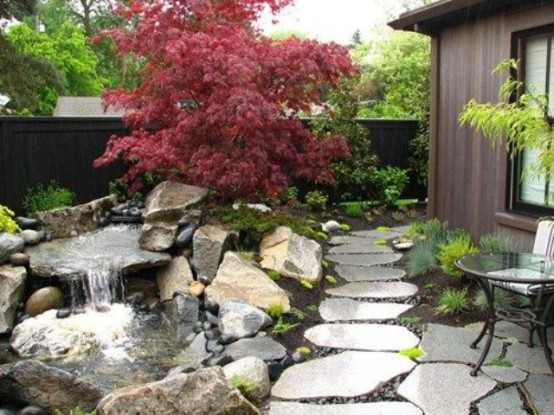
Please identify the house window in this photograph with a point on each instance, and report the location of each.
(535, 50)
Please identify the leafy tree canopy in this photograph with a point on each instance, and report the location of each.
(223, 97)
(16, 8)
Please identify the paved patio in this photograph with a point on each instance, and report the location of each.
(438, 383)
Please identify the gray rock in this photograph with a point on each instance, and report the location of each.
(19, 259)
(174, 278)
(253, 371)
(169, 201)
(184, 237)
(191, 357)
(158, 236)
(374, 337)
(504, 374)
(505, 401)
(240, 319)
(182, 312)
(68, 221)
(53, 389)
(254, 206)
(539, 389)
(236, 279)
(291, 255)
(209, 244)
(9, 244)
(374, 290)
(12, 288)
(373, 408)
(330, 226)
(72, 257)
(44, 299)
(343, 309)
(367, 248)
(348, 374)
(30, 236)
(444, 388)
(341, 240)
(530, 359)
(364, 260)
(264, 348)
(205, 391)
(354, 273)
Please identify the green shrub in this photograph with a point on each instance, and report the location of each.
(354, 210)
(275, 310)
(459, 246)
(345, 227)
(421, 259)
(290, 193)
(7, 224)
(490, 243)
(245, 387)
(452, 301)
(40, 198)
(316, 200)
(391, 182)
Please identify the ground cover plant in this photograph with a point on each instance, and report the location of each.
(223, 98)
(52, 196)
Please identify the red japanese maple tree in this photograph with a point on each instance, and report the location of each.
(222, 98)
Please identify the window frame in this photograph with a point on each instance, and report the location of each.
(513, 192)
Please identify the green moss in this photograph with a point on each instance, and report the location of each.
(245, 387)
(380, 242)
(273, 275)
(305, 350)
(382, 228)
(330, 279)
(324, 264)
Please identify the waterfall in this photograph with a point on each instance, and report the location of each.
(97, 289)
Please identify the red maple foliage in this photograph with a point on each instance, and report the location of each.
(222, 98)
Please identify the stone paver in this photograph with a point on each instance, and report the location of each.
(375, 234)
(342, 309)
(374, 290)
(451, 344)
(444, 388)
(507, 330)
(347, 374)
(264, 348)
(375, 337)
(505, 401)
(539, 389)
(375, 408)
(504, 374)
(353, 273)
(341, 240)
(361, 248)
(363, 260)
(530, 359)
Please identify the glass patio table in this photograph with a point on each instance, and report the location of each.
(530, 274)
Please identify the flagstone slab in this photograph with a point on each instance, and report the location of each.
(264, 348)
(530, 359)
(504, 374)
(374, 337)
(442, 343)
(539, 389)
(444, 388)
(366, 260)
(360, 248)
(352, 273)
(374, 290)
(374, 408)
(341, 240)
(341, 309)
(505, 401)
(375, 234)
(511, 331)
(347, 374)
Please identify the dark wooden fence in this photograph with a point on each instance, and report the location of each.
(36, 150)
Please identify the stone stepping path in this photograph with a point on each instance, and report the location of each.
(539, 388)
(341, 240)
(374, 337)
(375, 408)
(376, 234)
(364, 260)
(361, 249)
(352, 273)
(505, 401)
(341, 309)
(347, 374)
(374, 290)
(444, 388)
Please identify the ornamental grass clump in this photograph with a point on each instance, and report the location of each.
(41, 198)
(452, 301)
(459, 246)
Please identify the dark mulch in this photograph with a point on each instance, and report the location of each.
(430, 285)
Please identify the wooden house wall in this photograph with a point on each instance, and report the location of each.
(468, 177)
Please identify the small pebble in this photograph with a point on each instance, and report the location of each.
(63, 313)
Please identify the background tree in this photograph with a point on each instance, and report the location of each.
(225, 99)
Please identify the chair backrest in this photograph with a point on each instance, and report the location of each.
(544, 240)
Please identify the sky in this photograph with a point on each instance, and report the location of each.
(333, 20)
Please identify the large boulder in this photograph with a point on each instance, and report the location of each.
(70, 258)
(238, 319)
(10, 244)
(75, 220)
(35, 383)
(204, 392)
(168, 204)
(209, 244)
(182, 313)
(291, 255)
(252, 371)
(237, 279)
(174, 278)
(44, 299)
(12, 288)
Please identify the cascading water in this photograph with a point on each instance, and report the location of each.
(97, 289)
